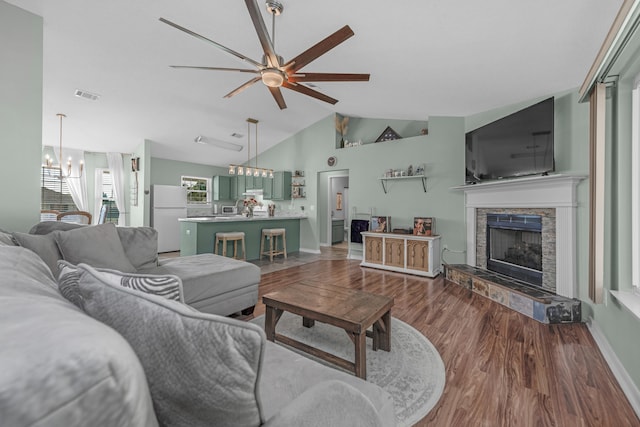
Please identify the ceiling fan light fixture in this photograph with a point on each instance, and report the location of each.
(273, 77)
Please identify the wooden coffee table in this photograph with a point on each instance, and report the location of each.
(348, 309)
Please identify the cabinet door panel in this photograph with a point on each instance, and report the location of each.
(418, 255)
(394, 252)
(373, 250)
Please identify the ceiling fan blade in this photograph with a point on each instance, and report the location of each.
(277, 95)
(310, 92)
(328, 77)
(263, 35)
(242, 87)
(242, 70)
(319, 49)
(218, 45)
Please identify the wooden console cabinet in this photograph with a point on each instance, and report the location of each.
(404, 253)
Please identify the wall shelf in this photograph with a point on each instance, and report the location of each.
(384, 181)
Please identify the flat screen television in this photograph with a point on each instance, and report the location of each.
(519, 144)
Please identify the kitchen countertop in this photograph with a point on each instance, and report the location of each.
(242, 218)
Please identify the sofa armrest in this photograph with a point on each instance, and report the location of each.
(330, 403)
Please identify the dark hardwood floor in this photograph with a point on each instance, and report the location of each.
(503, 369)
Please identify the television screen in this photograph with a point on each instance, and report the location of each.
(516, 145)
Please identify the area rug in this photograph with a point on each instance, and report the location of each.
(412, 372)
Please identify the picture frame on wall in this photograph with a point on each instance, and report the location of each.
(381, 224)
(424, 226)
(338, 201)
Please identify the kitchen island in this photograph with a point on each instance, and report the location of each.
(197, 234)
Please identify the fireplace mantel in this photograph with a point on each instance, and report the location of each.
(556, 191)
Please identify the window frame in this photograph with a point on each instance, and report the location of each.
(184, 182)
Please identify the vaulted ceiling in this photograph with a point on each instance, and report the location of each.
(426, 58)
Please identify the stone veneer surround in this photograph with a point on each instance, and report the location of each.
(557, 192)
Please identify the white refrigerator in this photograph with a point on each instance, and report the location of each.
(169, 203)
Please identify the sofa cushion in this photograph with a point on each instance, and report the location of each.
(140, 245)
(208, 275)
(59, 366)
(46, 227)
(165, 286)
(97, 245)
(44, 246)
(202, 369)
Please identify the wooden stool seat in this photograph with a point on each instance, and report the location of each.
(272, 235)
(230, 236)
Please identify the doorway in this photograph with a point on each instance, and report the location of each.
(337, 208)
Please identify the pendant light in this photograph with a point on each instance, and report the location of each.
(248, 170)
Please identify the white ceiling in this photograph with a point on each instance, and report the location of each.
(426, 58)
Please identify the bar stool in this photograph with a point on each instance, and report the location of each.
(233, 236)
(272, 234)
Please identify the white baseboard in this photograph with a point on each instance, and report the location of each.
(626, 383)
(310, 251)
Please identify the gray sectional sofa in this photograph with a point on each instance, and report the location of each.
(121, 357)
(212, 284)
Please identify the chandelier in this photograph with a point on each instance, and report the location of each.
(248, 171)
(49, 161)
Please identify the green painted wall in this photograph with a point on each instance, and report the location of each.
(621, 328)
(442, 151)
(20, 117)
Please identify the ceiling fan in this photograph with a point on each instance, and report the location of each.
(273, 71)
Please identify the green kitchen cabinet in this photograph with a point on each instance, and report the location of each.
(267, 187)
(281, 186)
(238, 186)
(221, 187)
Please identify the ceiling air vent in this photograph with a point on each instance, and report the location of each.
(86, 95)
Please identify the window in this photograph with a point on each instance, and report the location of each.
(198, 190)
(54, 192)
(105, 192)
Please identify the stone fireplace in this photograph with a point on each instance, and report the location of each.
(528, 221)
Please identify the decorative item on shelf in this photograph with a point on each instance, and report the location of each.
(410, 170)
(424, 226)
(388, 135)
(381, 224)
(250, 203)
(256, 171)
(66, 172)
(424, 131)
(298, 174)
(420, 169)
(342, 125)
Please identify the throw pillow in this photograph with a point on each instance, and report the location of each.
(201, 368)
(6, 238)
(97, 245)
(68, 278)
(167, 286)
(140, 245)
(44, 246)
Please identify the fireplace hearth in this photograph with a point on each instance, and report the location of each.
(514, 246)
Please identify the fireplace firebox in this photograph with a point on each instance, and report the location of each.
(514, 246)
